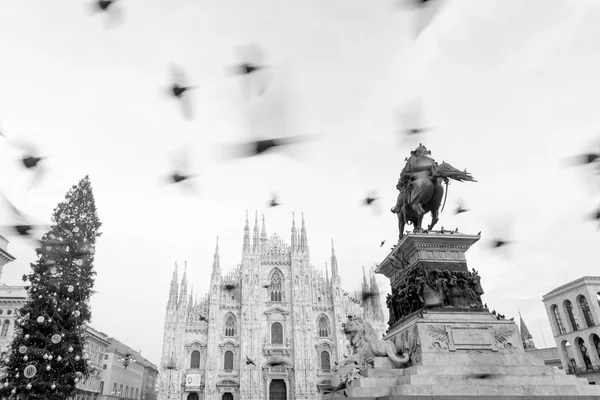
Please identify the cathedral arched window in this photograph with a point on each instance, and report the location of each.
(5, 327)
(325, 361)
(569, 308)
(195, 359)
(585, 310)
(558, 320)
(228, 360)
(191, 396)
(230, 327)
(276, 286)
(276, 333)
(323, 326)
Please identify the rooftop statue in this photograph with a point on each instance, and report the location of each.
(421, 189)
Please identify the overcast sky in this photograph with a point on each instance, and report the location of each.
(510, 87)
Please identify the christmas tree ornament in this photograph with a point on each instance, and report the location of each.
(53, 386)
(30, 371)
(40, 319)
(76, 229)
(59, 358)
(55, 338)
(70, 290)
(25, 358)
(63, 216)
(70, 349)
(28, 386)
(48, 368)
(23, 349)
(77, 358)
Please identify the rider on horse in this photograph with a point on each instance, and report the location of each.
(421, 190)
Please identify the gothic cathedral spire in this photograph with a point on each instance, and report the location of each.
(217, 260)
(303, 237)
(263, 236)
(246, 247)
(183, 287)
(334, 264)
(255, 243)
(294, 240)
(173, 291)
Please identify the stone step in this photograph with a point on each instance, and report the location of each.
(371, 392)
(487, 381)
(468, 389)
(479, 369)
(474, 358)
(383, 373)
(374, 382)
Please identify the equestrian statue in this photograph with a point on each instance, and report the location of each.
(421, 190)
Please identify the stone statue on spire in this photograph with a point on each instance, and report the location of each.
(421, 189)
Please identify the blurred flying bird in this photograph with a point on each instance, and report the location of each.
(370, 199)
(24, 227)
(258, 147)
(249, 361)
(179, 89)
(202, 318)
(229, 286)
(460, 208)
(31, 160)
(426, 12)
(274, 202)
(496, 243)
(252, 69)
(114, 14)
(179, 174)
(382, 243)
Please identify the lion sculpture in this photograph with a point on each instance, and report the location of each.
(366, 345)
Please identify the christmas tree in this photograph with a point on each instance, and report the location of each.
(46, 358)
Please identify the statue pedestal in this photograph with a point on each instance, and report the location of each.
(459, 351)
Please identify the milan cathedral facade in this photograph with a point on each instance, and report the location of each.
(268, 329)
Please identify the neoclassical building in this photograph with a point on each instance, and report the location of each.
(574, 313)
(269, 328)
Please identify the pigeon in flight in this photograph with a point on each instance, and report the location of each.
(274, 202)
(179, 90)
(252, 69)
(249, 361)
(24, 227)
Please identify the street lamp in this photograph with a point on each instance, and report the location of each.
(126, 360)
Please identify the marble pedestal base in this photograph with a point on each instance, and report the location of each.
(458, 355)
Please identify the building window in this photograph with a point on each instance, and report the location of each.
(195, 359)
(126, 391)
(584, 354)
(587, 313)
(106, 356)
(104, 366)
(230, 325)
(323, 326)
(325, 361)
(559, 324)
(276, 333)
(569, 308)
(228, 360)
(193, 396)
(115, 389)
(596, 340)
(101, 387)
(227, 396)
(136, 393)
(276, 286)
(5, 328)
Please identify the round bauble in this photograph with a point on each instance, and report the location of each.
(41, 319)
(30, 371)
(53, 386)
(23, 349)
(70, 349)
(56, 338)
(28, 386)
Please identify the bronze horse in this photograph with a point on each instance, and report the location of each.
(424, 194)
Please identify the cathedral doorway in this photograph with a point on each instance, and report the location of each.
(227, 396)
(277, 390)
(193, 396)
